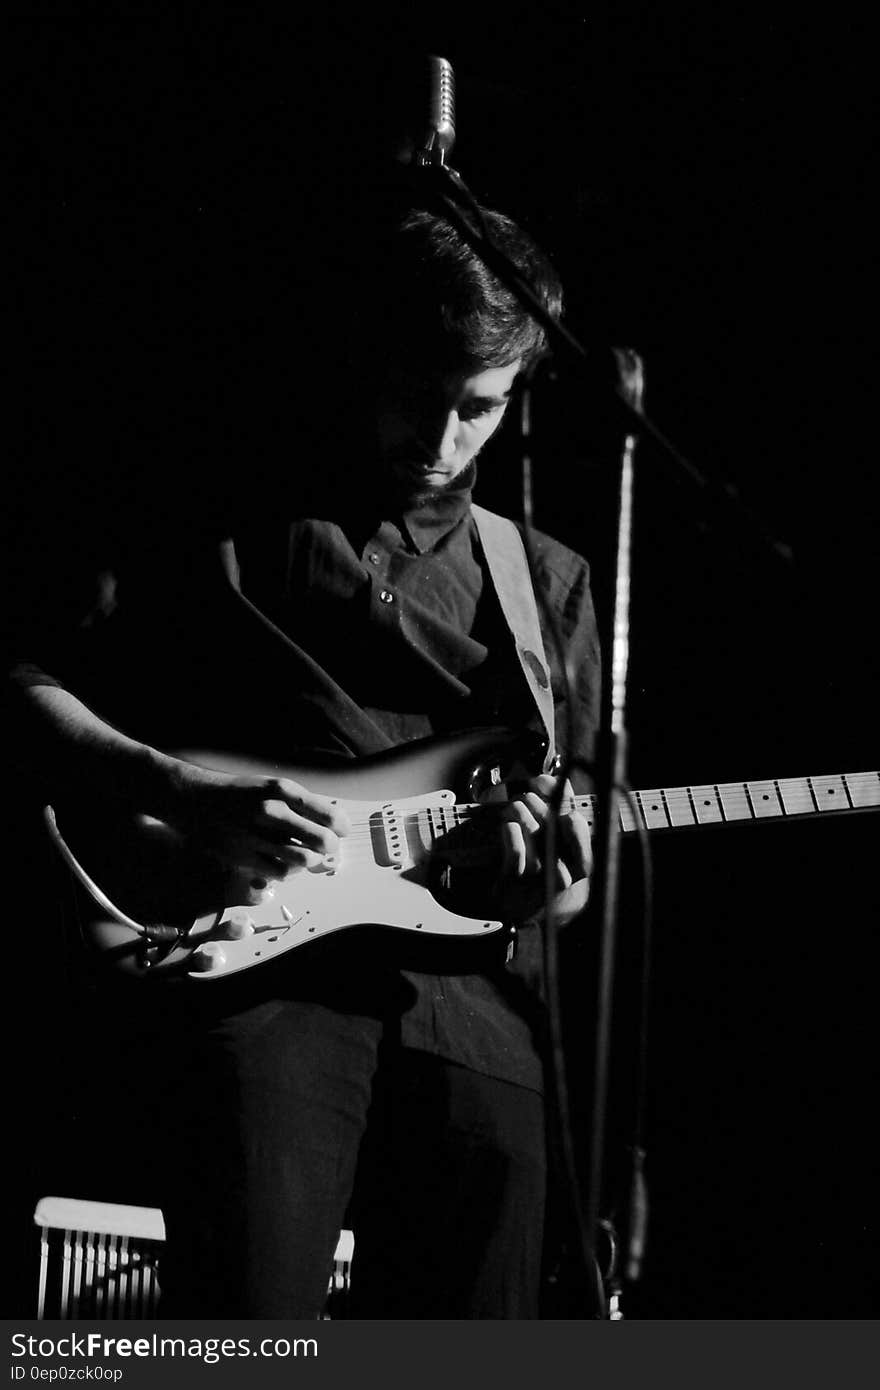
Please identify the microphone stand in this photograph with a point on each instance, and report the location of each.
(611, 778)
(625, 397)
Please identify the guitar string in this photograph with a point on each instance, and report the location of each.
(666, 803)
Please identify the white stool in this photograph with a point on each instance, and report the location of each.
(99, 1260)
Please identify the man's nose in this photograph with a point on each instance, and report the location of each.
(439, 434)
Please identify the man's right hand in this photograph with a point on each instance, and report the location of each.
(257, 828)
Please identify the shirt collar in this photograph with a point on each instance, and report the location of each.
(421, 526)
(425, 525)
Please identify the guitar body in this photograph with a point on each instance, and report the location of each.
(154, 909)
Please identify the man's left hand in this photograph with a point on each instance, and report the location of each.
(521, 885)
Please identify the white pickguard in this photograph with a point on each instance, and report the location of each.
(307, 905)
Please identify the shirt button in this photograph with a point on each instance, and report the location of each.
(373, 557)
(386, 596)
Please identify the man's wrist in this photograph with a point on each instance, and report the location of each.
(161, 781)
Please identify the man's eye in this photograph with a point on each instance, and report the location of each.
(478, 412)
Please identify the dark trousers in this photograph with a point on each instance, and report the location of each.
(289, 1120)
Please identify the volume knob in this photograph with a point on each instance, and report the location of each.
(237, 926)
(210, 956)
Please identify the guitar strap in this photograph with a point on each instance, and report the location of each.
(509, 571)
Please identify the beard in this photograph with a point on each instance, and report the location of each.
(412, 496)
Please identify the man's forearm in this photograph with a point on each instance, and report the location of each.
(63, 745)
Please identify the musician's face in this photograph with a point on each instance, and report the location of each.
(431, 428)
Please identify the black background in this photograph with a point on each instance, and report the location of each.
(702, 180)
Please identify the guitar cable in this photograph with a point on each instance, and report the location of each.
(561, 1142)
(152, 935)
(88, 883)
(635, 1199)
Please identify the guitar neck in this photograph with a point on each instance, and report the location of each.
(673, 808)
(676, 808)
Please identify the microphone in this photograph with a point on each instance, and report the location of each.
(438, 135)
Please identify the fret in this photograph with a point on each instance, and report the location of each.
(830, 793)
(765, 799)
(587, 807)
(654, 812)
(734, 801)
(679, 806)
(706, 805)
(628, 819)
(864, 788)
(796, 797)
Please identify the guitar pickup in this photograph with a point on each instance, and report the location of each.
(388, 837)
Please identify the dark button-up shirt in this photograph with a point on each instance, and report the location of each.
(383, 629)
(401, 615)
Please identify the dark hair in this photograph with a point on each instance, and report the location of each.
(438, 300)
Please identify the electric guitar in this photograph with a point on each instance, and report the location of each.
(152, 910)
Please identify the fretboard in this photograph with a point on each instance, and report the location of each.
(665, 808)
(671, 808)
